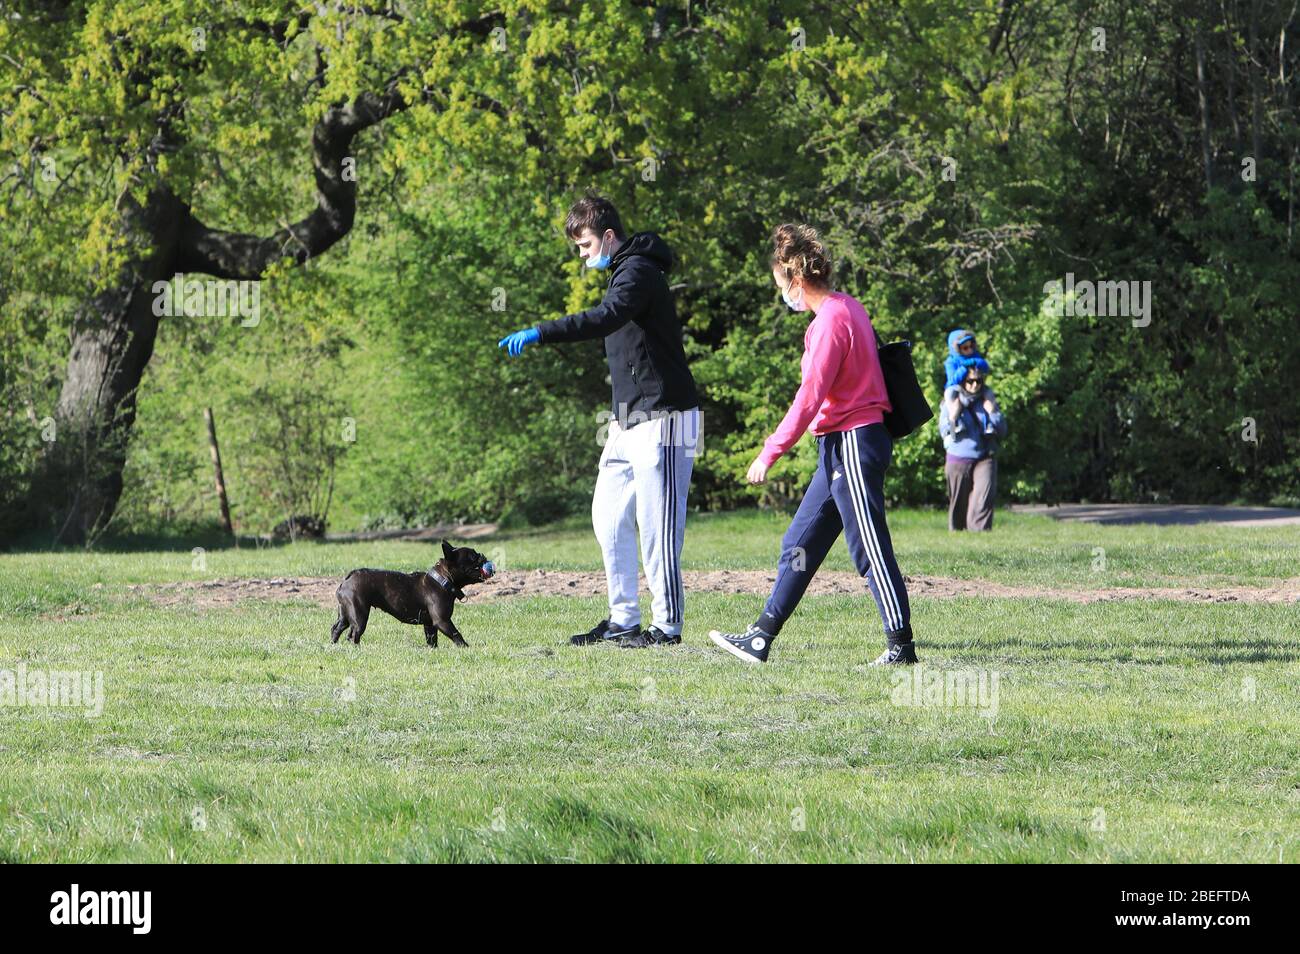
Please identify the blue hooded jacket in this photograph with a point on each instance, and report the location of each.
(957, 364)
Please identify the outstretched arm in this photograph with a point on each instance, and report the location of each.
(625, 300)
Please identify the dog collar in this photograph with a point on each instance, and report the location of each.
(449, 586)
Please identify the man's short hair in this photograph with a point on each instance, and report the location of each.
(593, 212)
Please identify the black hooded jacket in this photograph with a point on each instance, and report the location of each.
(643, 338)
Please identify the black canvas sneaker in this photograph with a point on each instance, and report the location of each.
(751, 645)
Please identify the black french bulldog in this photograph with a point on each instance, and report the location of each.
(416, 598)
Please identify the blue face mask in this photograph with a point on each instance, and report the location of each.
(794, 304)
(600, 260)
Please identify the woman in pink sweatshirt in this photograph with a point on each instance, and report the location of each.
(842, 401)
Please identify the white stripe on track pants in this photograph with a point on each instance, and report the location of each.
(642, 481)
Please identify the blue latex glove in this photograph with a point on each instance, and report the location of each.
(515, 343)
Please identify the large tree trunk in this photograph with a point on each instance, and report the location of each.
(113, 334)
(112, 340)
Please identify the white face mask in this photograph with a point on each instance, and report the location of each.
(794, 304)
(600, 260)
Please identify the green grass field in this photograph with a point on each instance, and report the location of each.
(1124, 731)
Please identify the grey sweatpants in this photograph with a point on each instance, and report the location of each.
(972, 487)
(642, 482)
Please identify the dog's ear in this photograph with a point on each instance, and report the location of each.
(447, 549)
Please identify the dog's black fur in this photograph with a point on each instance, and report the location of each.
(416, 598)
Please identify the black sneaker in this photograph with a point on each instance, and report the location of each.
(751, 645)
(899, 654)
(603, 632)
(653, 636)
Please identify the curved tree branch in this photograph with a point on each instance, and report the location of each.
(242, 256)
(238, 255)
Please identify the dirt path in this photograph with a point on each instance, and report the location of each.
(1166, 515)
(215, 593)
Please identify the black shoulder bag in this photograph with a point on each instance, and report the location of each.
(910, 408)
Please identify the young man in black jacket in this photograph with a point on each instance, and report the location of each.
(654, 428)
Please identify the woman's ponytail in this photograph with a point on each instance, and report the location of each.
(798, 251)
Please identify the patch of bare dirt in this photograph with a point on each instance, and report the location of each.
(1166, 514)
(451, 531)
(216, 593)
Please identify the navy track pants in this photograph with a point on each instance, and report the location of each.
(847, 493)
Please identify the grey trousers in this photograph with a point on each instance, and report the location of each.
(641, 485)
(972, 487)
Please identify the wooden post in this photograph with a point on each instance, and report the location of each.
(216, 466)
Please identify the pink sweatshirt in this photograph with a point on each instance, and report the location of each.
(843, 386)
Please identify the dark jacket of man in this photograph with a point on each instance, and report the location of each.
(643, 338)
